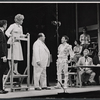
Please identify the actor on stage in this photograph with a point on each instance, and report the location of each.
(64, 50)
(85, 39)
(40, 60)
(15, 30)
(3, 53)
(87, 73)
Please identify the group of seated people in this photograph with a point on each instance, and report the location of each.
(81, 57)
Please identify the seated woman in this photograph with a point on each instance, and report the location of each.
(87, 74)
(77, 51)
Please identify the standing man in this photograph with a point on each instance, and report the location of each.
(64, 50)
(3, 53)
(85, 39)
(40, 60)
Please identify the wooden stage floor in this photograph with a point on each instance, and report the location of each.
(48, 93)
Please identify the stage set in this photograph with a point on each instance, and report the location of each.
(52, 18)
(17, 89)
(70, 92)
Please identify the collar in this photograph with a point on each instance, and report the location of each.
(40, 41)
(18, 24)
(86, 57)
(2, 29)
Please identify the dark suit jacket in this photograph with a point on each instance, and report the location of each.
(97, 69)
(96, 60)
(3, 44)
(3, 52)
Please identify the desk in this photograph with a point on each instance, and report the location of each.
(83, 66)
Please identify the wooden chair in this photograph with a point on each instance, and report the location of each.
(72, 77)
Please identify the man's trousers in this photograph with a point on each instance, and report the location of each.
(40, 77)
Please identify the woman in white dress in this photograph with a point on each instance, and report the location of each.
(15, 30)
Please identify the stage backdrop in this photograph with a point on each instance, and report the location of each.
(39, 17)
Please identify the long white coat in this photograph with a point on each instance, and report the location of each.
(16, 31)
(40, 54)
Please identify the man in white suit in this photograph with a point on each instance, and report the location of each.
(40, 60)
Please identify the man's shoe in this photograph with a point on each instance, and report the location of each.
(93, 83)
(37, 89)
(3, 92)
(65, 87)
(46, 88)
(84, 84)
(57, 87)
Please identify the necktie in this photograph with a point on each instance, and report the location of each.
(86, 61)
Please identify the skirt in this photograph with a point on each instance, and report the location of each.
(17, 52)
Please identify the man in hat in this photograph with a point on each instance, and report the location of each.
(87, 73)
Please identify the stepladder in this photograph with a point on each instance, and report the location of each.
(10, 78)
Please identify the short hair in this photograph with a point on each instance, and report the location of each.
(40, 35)
(77, 41)
(66, 37)
(84, 28)
(18, 17)
(86, 50)
(3, 22)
